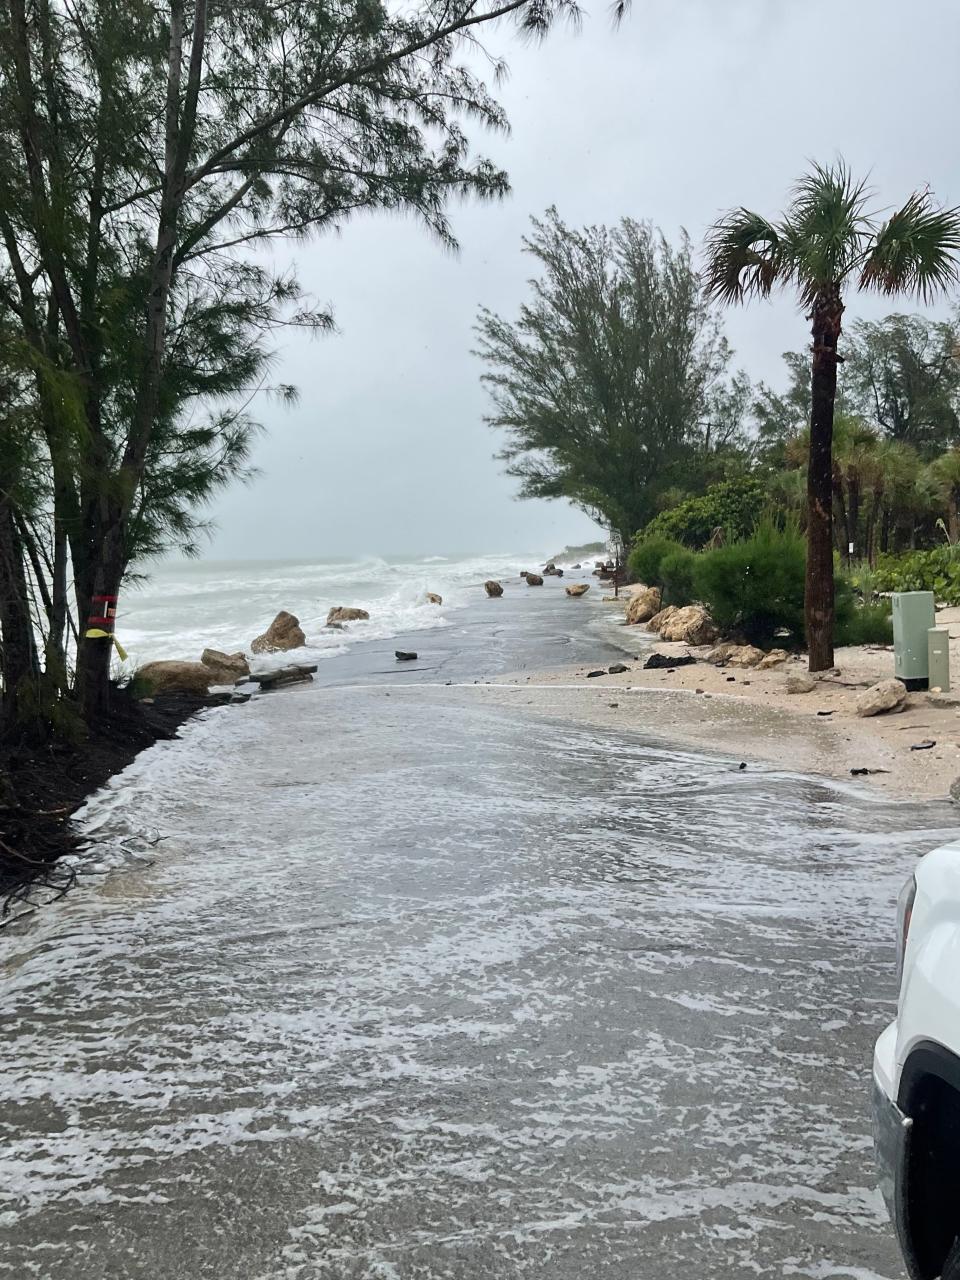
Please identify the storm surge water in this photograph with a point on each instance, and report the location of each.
(185, 606)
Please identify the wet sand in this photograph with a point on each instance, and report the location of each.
(748, 713)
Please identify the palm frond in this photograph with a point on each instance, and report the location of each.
(916, 251)
(826, 228)
(743, 257)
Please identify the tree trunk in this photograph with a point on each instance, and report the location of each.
(98, 598)
(21, 666)
(953, 516)
(819, 593)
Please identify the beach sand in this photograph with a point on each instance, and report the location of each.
(749, 714)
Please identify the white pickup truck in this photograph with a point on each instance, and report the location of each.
(916, 1074)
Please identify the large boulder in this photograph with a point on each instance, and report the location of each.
(177, 677)
(433, 598)
(533, 580)
(691, 625)
(662, 618)
(578, 589)
(644, 605)
(342, 613)
(885, 696)
(230, 666)
(492, 588)
(282, 634)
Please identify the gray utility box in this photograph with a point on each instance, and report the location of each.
(938, 648)
(913, 617)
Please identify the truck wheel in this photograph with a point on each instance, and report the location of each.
(951, 1268)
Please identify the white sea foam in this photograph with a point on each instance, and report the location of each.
(185, 607)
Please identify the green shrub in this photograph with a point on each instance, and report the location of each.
(677, 570)
(864, 624)
(734, 506)
(644, 561)
(937, 570)
(756, 585)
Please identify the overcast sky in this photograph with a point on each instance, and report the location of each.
(686, 109)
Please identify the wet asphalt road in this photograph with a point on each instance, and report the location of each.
(418, 988)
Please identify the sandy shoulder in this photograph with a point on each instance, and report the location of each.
(749, 714)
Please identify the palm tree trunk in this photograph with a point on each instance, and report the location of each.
(819, 593)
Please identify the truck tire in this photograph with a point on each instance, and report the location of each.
(951, 1268)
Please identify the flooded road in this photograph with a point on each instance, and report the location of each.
(416, 987)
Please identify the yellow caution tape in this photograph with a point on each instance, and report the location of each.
(94, 633)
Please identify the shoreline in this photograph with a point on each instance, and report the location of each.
(749, 714)
(44, 786)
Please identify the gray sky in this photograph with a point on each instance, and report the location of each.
(687, 109)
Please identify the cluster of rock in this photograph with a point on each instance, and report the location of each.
(746, 656)
(196, 678)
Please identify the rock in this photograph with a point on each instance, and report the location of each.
(661, 661)
(691, 625)
(403, 655)
(644, 606)
(925, 745)
(578, 589)
(533, 580)
(773, 659)
(591, 674)
(177, 677)
(662, 618)
(800, 682)
(719, 654)
(493, 589)
(231, 666)
(576, 566)
(744, 655)
(433, 598)
(550, 569)
(617, 669)
(282, 634)
(342, 613)
(881, 697)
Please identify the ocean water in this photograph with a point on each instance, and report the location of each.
(185, 606)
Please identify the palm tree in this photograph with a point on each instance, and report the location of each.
(945, 475)
(827, 239)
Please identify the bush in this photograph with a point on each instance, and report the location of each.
(937, 571)
(645, 560)
(734, 506)
(864, 624)
(756, 585)
(677, 570)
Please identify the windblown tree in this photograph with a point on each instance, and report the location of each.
(905, 371)
(827, 240)
(142, 150)
(611, 385)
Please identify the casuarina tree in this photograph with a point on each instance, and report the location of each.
(611, 384)
(828, 240)
(143, 148)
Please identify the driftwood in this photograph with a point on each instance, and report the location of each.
(283, 676)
